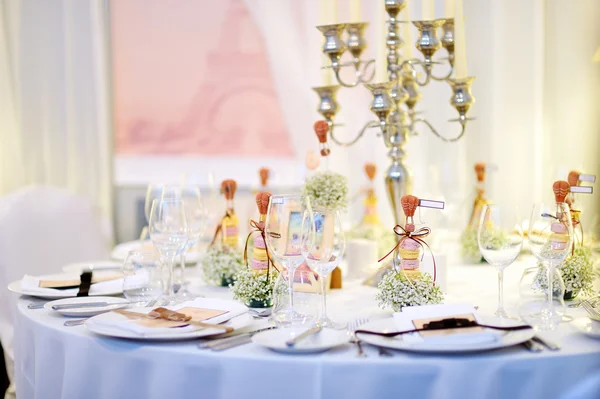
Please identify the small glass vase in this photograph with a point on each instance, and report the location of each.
(259, 304)
(226, 281)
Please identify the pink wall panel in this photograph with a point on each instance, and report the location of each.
(191, 77)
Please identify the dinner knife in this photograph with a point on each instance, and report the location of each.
(221, 341)
(236, 341)
(80, 305)
(307, 333)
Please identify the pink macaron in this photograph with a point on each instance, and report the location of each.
(409, 264)
(258, 264)
(259, 242)
(410, 244)
(231, 231)
(558, 228)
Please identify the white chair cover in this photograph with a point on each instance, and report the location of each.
(41, 230)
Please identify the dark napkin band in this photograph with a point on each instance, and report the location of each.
(86, 283)
(445, 324)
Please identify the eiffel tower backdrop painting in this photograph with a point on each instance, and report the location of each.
(192, 78)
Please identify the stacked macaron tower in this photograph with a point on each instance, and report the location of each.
(260, 259)
(230, 222)
(264, 174)
(409, 247)
(560, 235)
(480, 200)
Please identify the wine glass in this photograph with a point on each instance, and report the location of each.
(284, 236)
(196, 218)
(500, 239)
(550, 240)
(168, 232)
(324, 252)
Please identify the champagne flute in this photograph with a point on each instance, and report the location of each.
(324, 252)
(550, 240)
(284, 236)
(500, 239)
(168, 232)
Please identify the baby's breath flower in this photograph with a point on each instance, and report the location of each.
(250, 286)
(327, 190)
(396, 291)
(221, 264)
(577, 272)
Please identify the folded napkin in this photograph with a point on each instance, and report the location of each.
(119, 322)
(405, 320)
(30, 285)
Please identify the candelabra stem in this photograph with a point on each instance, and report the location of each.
(398, 178)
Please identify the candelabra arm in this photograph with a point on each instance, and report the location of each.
(368, 125)
(463, 126)
(443, 78)
(415, 61)
(359, 74)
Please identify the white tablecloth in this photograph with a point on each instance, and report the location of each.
(53, 361)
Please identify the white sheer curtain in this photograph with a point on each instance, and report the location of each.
(536, 90)
(54, 86)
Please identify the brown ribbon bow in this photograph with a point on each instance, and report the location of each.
(259, 227)
(418, 237)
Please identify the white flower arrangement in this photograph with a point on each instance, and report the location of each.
(577, 272)
(396, 291)
(255, 289)
(327, 190)
(221, 264)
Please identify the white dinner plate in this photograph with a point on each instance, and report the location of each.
(97, 325)
(323, 340)
(587, 326)
(95, 265)
(113, 303)
(508, 338)
(121, 251)
(104, 289)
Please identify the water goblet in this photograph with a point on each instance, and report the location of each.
(168, 232)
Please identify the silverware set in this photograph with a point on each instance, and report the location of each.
(231, 341)
(590, 307)
(78, 322)
(538, 344)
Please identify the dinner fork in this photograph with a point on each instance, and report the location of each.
(594, 314)
(352, 327)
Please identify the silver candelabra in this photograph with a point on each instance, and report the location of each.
(393, 101)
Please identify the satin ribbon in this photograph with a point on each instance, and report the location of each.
(86, 283)
(219, 228)
(418, 237)
(259, 227)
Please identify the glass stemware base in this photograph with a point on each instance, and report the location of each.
(288, 317)
(326, 322)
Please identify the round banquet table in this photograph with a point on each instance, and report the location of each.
(53, 361)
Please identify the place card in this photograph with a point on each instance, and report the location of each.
(582, 189)
(423, 203)
(588, 178)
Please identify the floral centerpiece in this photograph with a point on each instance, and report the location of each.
(408, 286)
(221, 264)
(327, 190)
(254, 284)
(397, 291)
(255, 290)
